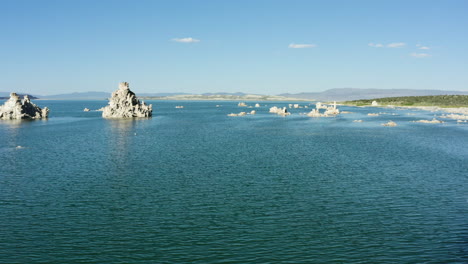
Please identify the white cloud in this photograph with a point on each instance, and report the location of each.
(301, 46)
(396, 45)
(424, 48)
(378, 45)
(420, 55)
(185, 40)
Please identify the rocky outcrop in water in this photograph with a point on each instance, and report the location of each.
(279, 111)
(390, 124)
(329, 110)
(15, 108)
(433, 121)
(124, 104)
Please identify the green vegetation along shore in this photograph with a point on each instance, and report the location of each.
(432, 100)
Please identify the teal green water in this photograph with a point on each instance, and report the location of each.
(193, 185)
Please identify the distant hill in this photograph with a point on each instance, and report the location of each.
(337, 94)
(223, 97)
(78, 96)
(158, 94)
(348, 94)
(429, 100)
(224, 93)
(6, 95)
(99, 95)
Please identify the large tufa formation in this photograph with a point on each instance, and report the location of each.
(15, 108)
(124, 104)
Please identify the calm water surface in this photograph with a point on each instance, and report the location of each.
(193, 185)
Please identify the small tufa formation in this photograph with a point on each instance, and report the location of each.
(279, 111)
(433, 121)
(15, 108)
(124, 104)
(390, 124)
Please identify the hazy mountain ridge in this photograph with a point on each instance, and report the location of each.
(6, 95)
(347, 94)
(78, 96)
(337, 94)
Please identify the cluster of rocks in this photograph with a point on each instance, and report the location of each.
(242, 104)
(15, 108)
(455, 116)
(124, 104)
(390, 124)
(433, 121)
(253, 112)
(279, 111)
(297, 106)
(329, 110)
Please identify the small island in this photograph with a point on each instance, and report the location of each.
(124, 104)
(15, 108)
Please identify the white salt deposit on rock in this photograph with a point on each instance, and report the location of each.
(239, 114)
(279, 111)
(15, 108)
(433, 121)
(124, 104)
(390, 124)
(330, 111)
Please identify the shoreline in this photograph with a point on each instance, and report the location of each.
(456, 113)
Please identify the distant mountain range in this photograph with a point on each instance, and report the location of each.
(6, 95)
(338, 94)
(97, 95)
(347, 94)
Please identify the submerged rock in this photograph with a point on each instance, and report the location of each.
(433, 121)
(390, 124)
(124, 104)
(15, 108)
(239, 114)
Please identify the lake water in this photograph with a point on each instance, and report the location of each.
(193, 185)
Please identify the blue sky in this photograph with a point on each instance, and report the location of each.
(266, 47)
